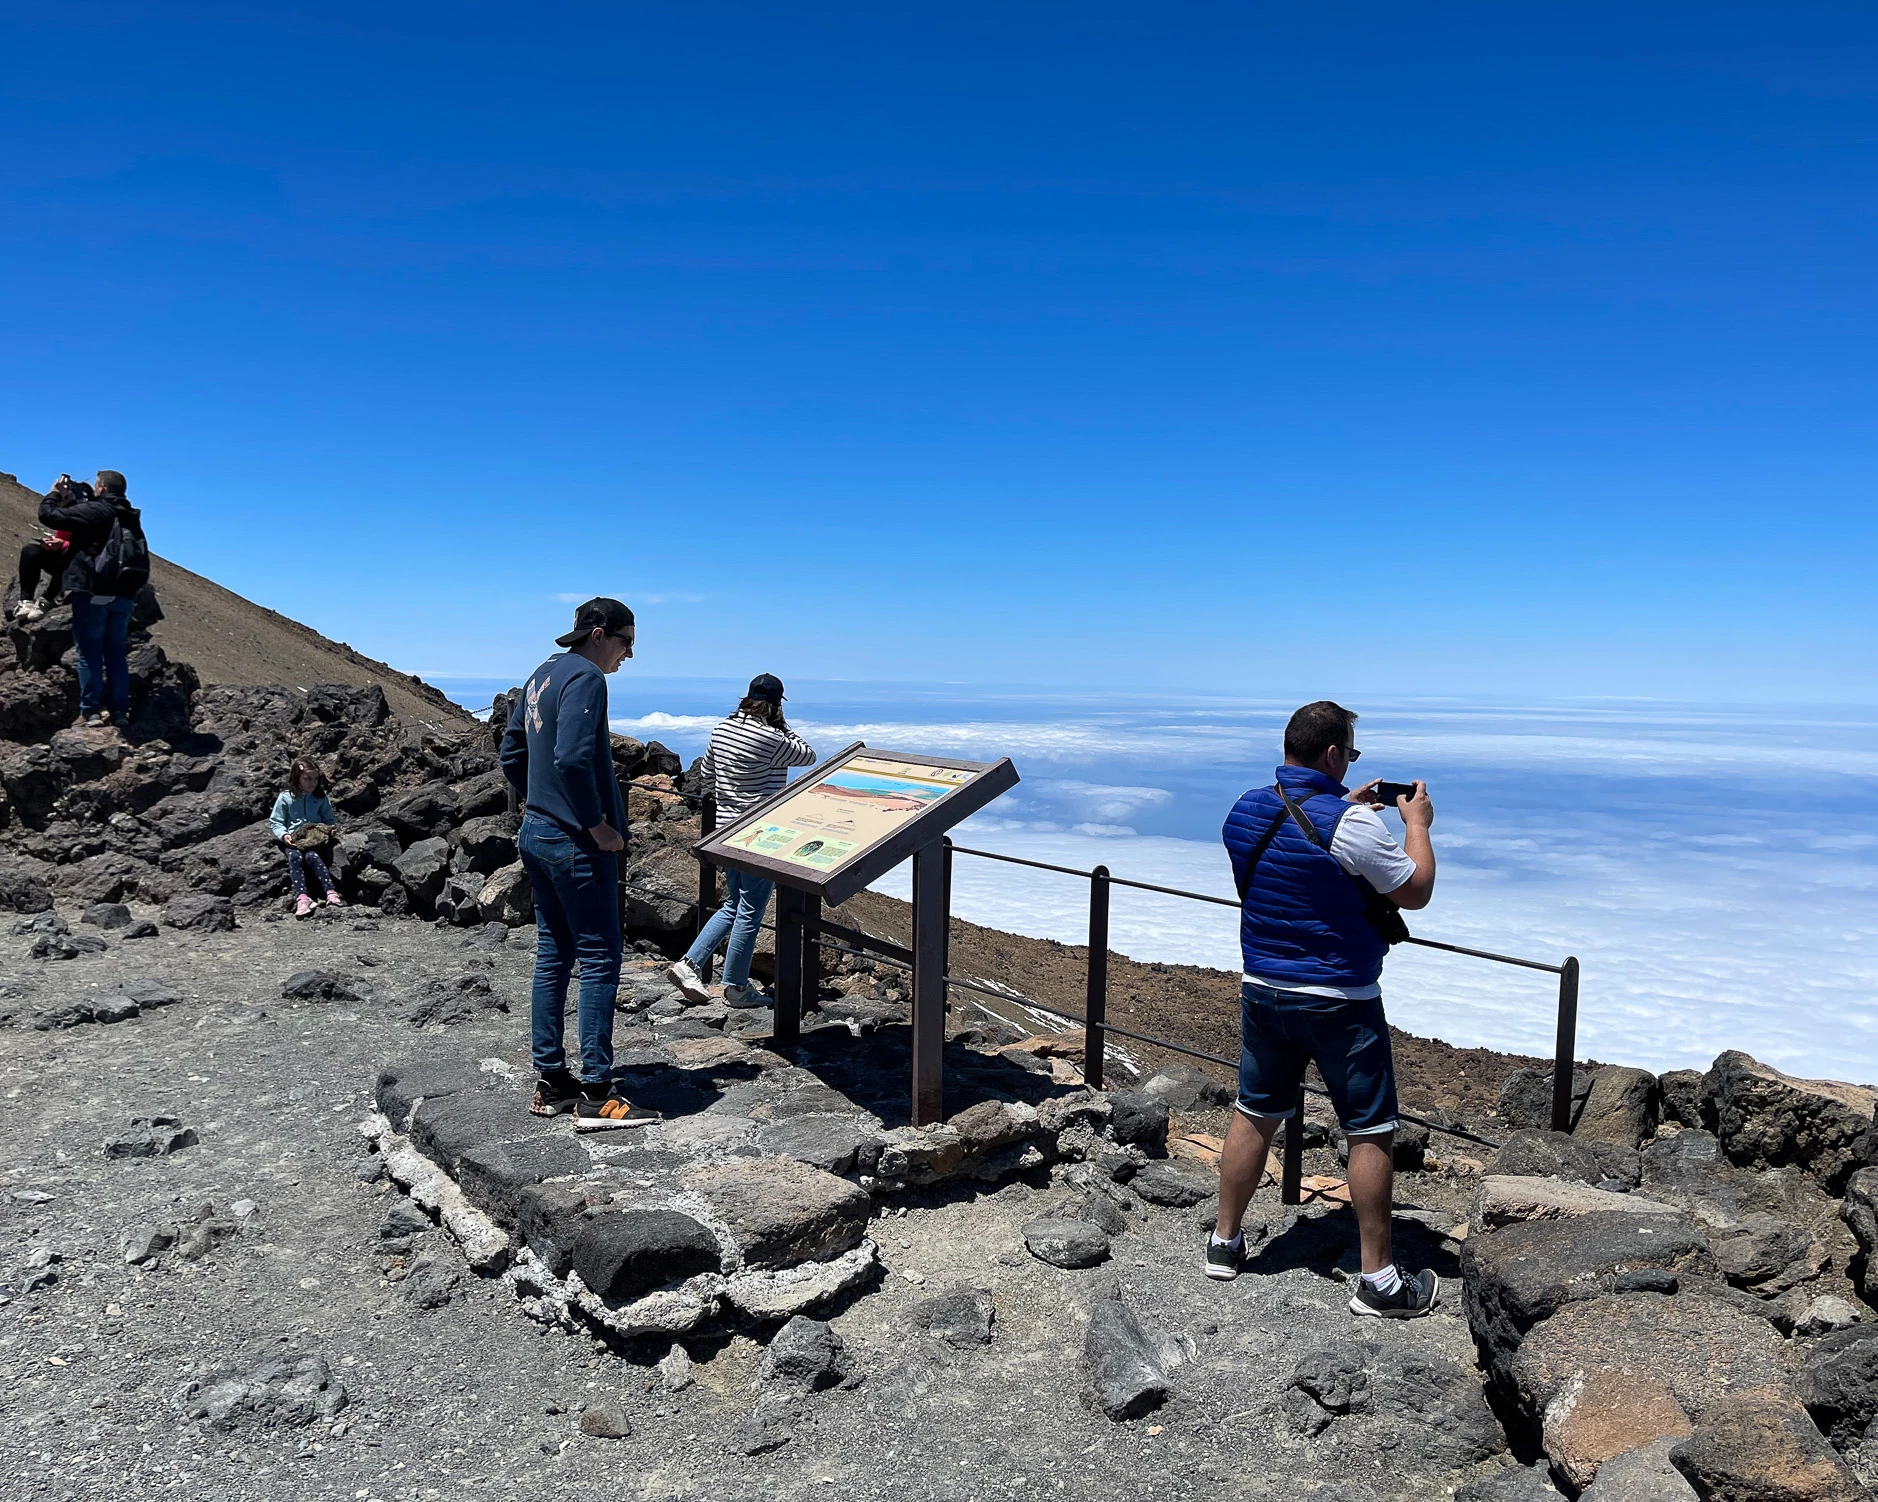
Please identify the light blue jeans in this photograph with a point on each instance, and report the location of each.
(746, 899)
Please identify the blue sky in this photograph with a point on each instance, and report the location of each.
(1517, 351)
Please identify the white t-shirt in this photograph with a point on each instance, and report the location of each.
(1364, 847)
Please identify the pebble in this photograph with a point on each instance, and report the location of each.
(912, 1275)
(606, 1419)
(244, 1208)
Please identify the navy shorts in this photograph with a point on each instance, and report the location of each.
(1281, 1032)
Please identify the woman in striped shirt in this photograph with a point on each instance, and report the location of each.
(747, 761)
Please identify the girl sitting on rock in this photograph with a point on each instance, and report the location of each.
(302, 821)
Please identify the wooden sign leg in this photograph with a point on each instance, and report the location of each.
(930, 922)
(786, 1026)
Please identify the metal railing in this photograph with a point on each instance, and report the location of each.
(1094, 1019)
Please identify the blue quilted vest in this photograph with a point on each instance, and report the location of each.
(1302, 921)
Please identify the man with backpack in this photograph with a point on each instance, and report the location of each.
(1321, 884)
(107, 563)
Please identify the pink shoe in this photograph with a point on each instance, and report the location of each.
(333, 900)
(303, 905)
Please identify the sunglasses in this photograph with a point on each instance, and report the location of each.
(1352, 753)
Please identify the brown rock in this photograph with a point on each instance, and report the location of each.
(1052, 1046)
(1699, 1347)
(1622, 1106)
(706, 1053)
(1604, 1415)
(1759, 1446)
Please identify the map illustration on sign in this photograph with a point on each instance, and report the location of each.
(822, 824)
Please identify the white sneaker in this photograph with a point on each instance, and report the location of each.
(688, 981)
(744, 996)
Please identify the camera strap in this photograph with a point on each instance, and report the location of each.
(1258, 850)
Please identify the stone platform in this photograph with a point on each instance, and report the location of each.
(751, 1200)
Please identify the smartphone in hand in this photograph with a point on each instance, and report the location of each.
(1388, 792)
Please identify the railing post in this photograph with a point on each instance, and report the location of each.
(707, 881)
(1566, 1048)
(931, 920)
(786, 1020)
(1291, 1190)
(1096, 1002)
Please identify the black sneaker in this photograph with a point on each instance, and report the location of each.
(1417, 1295)
(600, 1109)
(555, 1094)
(1225, 1261)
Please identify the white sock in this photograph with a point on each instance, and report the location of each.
(1385, 1282)
(1219, 1240)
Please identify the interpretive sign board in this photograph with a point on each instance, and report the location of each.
(855, 817)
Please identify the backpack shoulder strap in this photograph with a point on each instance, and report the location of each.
(1296, 812)
(1258, 851)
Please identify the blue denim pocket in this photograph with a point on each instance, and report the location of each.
(545, 841)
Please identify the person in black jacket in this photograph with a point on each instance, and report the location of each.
(100, 619)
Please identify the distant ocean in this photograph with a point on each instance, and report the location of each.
(1714, 868)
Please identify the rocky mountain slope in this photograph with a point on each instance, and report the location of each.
(228, 639)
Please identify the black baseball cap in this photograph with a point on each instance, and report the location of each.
(609, 615)
(766, 686)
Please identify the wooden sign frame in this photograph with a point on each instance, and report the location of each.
(871, 862)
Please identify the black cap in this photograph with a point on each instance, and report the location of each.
(609, 615)
(766, 686)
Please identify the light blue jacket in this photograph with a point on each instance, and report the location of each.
(292, 810)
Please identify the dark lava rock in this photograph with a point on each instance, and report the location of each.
(1622, 1106)
(806, 1354)
(422, 815)
(623, 1255)
(1682, 1098)
(445, 1127)
(421, 870)
(605, 1419)
(1523, 1273)
(1138, 1120)
(1526, 1097)
(21, 891)
(142, 929)
(404, 1218)
(1760, 1444)
(782, 1212)
(1517, 1483)
(1838, 1383)
(199, 912)
(1175, 1181)
(1765, 1119)
(494, 1174)
(1066, 1243)
(1125, 1378)
(66, 946)
(1547, 1154)
(348, 704)
(1185, 1087)
(1758, 1248)
(430, 1284)
(1860, 1212)
(319, 985)
(959, 1316)
(551, 1218)
(286, 1391)
(401, 1086)
(1645, 1474)
(151, 1137)
(483, 845)
(833, 1144)
(106, 915)
(449, 1002)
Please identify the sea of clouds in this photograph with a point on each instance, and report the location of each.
(1713, 868)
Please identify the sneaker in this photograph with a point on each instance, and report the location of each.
(600, 1108)
(745, 996)
(555, 1094)
(1418, 1295)
(1225, 1261)
(689, 982)
(31, 612)
(333, 899)
(98, 721)
(302, 905)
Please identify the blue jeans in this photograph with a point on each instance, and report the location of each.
(100, 628)
(576, 918)
(1282, 1032)
(745, 900)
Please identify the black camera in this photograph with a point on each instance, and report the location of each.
(1390, 791)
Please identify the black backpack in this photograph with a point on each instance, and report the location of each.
(122, 566)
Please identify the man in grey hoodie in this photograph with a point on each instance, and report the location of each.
(558, 754)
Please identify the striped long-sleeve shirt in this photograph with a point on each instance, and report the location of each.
(747, 761)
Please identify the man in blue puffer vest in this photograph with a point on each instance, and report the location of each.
(1313, 862)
